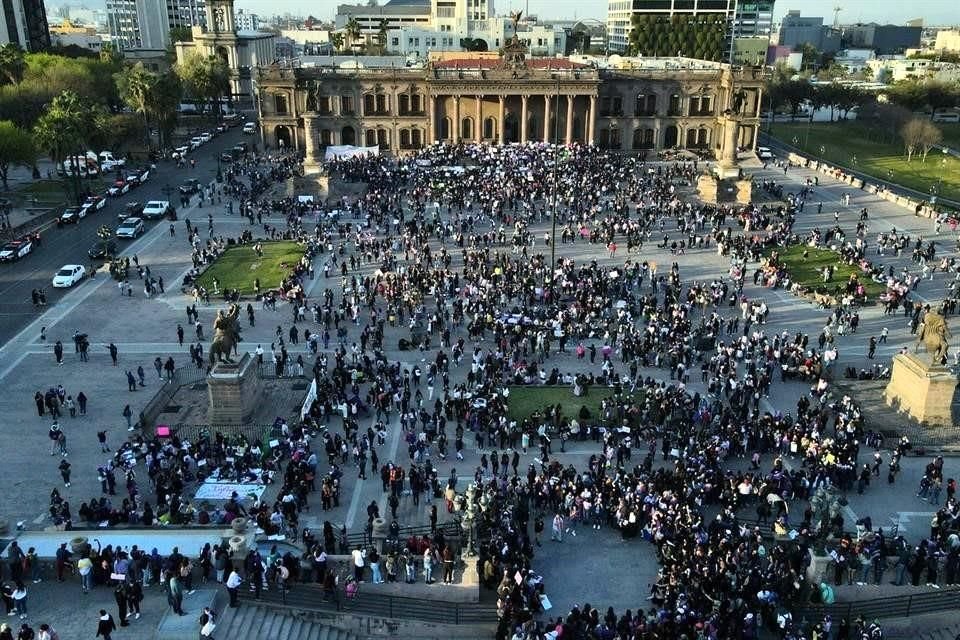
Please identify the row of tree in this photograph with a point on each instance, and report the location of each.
(60, 105)
(702, 36)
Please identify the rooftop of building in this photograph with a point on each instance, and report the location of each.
(402, 8)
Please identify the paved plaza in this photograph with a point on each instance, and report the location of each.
(595, 566)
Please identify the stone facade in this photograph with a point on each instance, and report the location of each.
(498, 100)
(234, 391)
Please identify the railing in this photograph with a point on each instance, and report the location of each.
(894, 607)
(362, 538)
(182, 376)
(310, 597)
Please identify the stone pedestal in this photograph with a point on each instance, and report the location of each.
(234, 392)
(744, 191)
(922, 391)
(707, 188)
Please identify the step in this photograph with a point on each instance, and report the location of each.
(254, 620)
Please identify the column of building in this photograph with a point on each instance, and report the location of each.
(455, 134)
(433, 119)
(546, 118)
(569, 137)
(591, 119)
(500, 128)
(310, 139)
(478, 130)
(523, 119)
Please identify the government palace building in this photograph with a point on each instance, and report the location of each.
(632, 104)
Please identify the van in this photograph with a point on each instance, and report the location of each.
(250, 127)
(108, 162)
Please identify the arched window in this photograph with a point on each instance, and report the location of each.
(369, 104)
(280, 104)
(348, 136)
(604, 140)
(445, 128)
(404, 138)
(370, 139)
(466, 128)
(416, 103)
(703, 137)
(383, 138)
(403, 104)
(674, 108)
(489, 129)
(325, 137)
(416, 138)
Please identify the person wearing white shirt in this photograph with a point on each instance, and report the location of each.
(233, 584)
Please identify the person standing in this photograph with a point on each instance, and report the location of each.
(120, 596)
(175, 592)
(106, 625)
(58, 352)
(113, 353)
(64, 468)
(128, 414)
(20, 600)
(82, 403)
(134, 598)
(233, 584)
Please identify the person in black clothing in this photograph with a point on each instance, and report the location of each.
(120, 595)
(106, 625)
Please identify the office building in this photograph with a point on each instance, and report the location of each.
(146, 24)
(884, 39)
(796, 30)
(746, 18)
(24, 23)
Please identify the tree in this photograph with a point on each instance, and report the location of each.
(67, 128)
(165, 99)
(919, 135)
(204, 78)
(382, 36)
(353, 31)
(16, 148)
(135, 85)
(181, 34)
(336, 39)
(12, 64)
(941, 96)
(909, 94)
(811, 55)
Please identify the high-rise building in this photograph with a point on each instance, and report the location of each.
(24, 23)
(146, 24)
(745, 18)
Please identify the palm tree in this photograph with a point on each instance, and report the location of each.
(353, 31)
(382, 36)
(135, 85)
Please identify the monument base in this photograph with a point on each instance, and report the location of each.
(922, 391)
(716, 190)
(234, 391)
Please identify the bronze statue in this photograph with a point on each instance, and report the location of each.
(515, 18)
(226, 334)
(934, 335)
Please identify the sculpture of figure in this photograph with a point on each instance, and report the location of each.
(935, 335)
(515, 18)
(738, 99)
(226, 334)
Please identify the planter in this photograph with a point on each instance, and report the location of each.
(79, 545)
(239, 525)
(238, 544)
(379, 528)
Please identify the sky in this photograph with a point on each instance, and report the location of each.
(934, 12)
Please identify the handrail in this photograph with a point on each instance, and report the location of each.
(311, 598)
(893, 607)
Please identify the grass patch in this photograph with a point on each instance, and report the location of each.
(807, 273)
(38, 193)
(842, 141)
(238, 267)
(524, 401)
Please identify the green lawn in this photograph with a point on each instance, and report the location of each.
(841, 142)
(807, 272)
(239, 266)
(526, 400)
(38, 193)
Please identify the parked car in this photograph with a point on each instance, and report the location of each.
(109, 163)
(143, 175)
(102, 250)
(119, 188)
(190, 187)
(195, 142)
(226, 157)
(764, 153)
(130, 228)
(94, 203)
(156, 209)
(15, 249)
(206, 136)
(132, 210)
(180, 152)
(68, 275)
(250, 127)
(73, 215)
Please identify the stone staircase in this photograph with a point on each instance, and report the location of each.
(251, 622)
(932, 626)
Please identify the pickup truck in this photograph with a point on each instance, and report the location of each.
(156, 209)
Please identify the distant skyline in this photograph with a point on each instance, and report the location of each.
(934, 12)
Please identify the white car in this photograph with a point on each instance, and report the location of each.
(196, 141)
(119, 188)
(73, 215)
(15, 250)
(69, 275)
(206, 137)
(764, 153)
(180, 152)
(250, 127)
(155, 209)
(130, 228)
